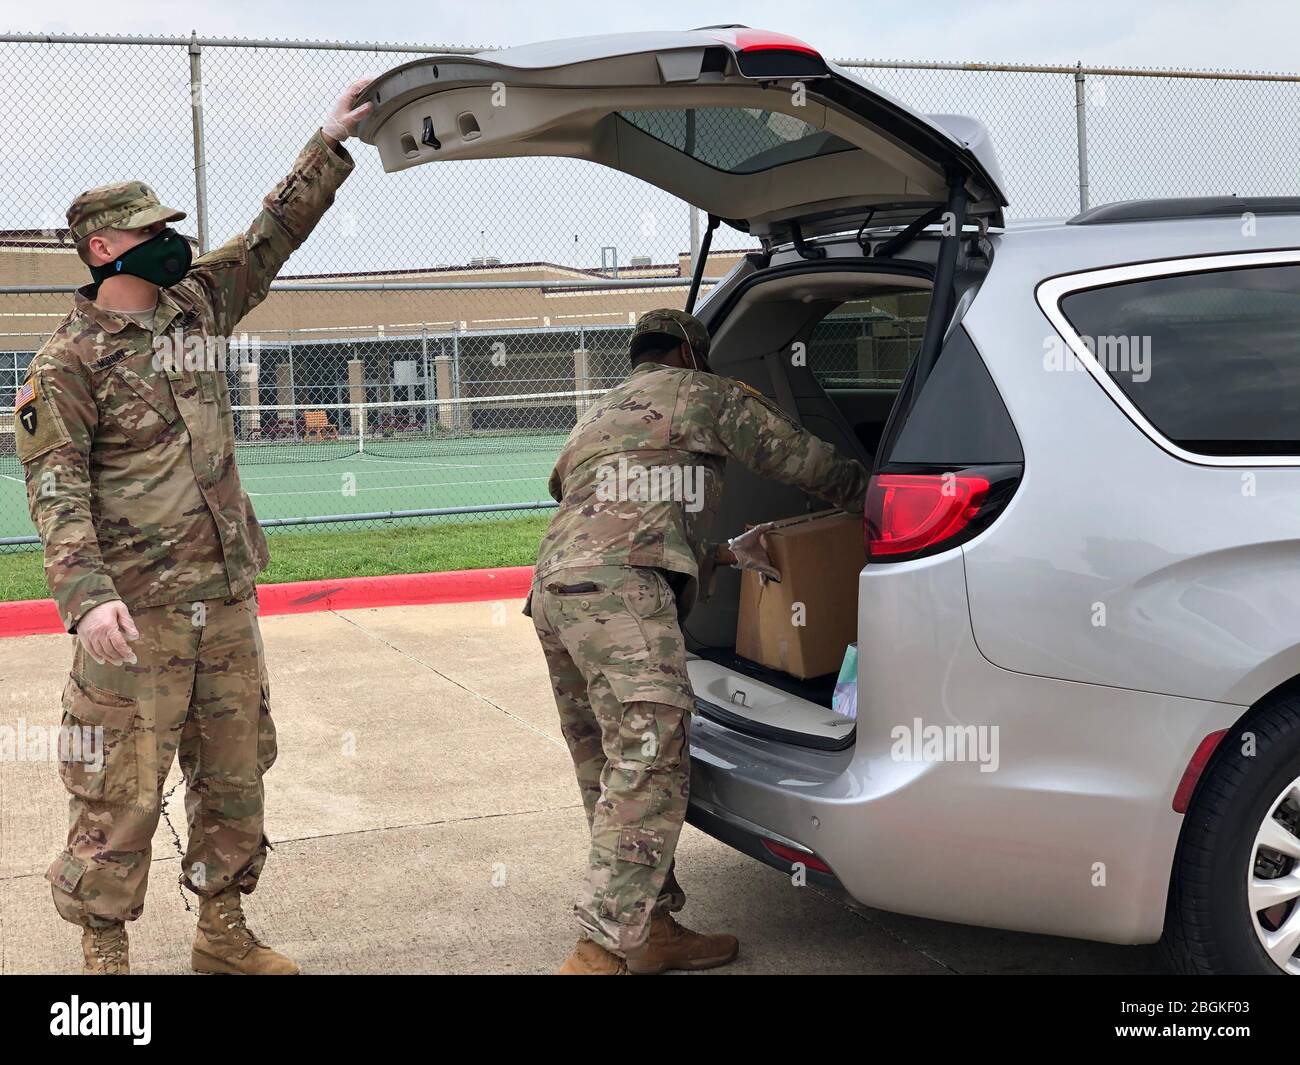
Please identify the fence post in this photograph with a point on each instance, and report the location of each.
(1081, 134)
(357, 397)
(581, 379)
(695, 237)
(457, 416)
(285, 423)
(424, 368)
(200, 147)
(252, 400)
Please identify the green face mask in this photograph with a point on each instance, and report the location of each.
(161, 260)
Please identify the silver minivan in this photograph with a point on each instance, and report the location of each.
(1078, 646)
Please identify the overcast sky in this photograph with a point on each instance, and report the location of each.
(1248, 34)
(96, 114)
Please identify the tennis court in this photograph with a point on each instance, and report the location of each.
(375, 476)
(300, 480)
(365, 483)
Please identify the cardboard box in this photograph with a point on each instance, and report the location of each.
(802, 625)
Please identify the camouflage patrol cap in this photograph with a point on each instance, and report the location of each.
(125, 205)
(676, 324)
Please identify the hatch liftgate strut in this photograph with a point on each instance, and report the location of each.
(697, 275)
(942, 302)
(945, 293)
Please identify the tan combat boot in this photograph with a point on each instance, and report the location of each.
(589, 958)
(670, 946)
(223, 942)
(105, 951)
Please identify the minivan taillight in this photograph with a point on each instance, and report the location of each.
(789, 854)
(908, 514)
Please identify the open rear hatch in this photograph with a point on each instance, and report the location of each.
(753, 127)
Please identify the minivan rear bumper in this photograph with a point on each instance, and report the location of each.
(753, 840)
(1070, 830)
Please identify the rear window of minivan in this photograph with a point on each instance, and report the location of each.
(1211, 360)
(869, 343)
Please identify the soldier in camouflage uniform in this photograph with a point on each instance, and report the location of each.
(639, 481)
(125, 433)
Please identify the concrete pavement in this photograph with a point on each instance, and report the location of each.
(425, 819)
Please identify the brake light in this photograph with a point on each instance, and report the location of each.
(911, 512)
(747, 40)
(1200, 759)
(789, 854)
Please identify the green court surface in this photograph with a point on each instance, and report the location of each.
(293, 480)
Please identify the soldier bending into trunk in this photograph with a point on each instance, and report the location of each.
(617, 571)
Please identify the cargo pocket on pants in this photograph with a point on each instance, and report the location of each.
(97, 755)
(644, 846)
(652, 736)
(66, 873)
(267, 747)
(659, 674)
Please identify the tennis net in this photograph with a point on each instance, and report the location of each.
(394, 429)
(397, 429)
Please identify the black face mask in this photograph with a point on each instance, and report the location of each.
(161, 260)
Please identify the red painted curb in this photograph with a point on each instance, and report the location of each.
(29, 617)
(408, 589)
(35, 617)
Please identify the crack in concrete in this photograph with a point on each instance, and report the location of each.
(452, 680)
(432, 824)
(861, 914)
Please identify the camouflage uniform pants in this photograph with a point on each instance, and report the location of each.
(617, 662)
(198, 687)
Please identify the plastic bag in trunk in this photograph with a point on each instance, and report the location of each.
(844, 700)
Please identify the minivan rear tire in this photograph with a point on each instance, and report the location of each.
(1209, 928)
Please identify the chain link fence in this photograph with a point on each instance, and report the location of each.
(1070, 137)
(429, 347)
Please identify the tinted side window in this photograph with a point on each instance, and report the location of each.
(869, 343)
(1212, 360)
(959, 419)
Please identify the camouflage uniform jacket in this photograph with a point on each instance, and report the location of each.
(130, 468)
(621, 504)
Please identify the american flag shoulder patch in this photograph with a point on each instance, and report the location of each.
(25, 395)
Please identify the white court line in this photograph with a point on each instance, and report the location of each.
(391, 487)
(18, 479)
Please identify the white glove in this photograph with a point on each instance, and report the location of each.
(344, 118)
(104, 631)
(751, 551)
